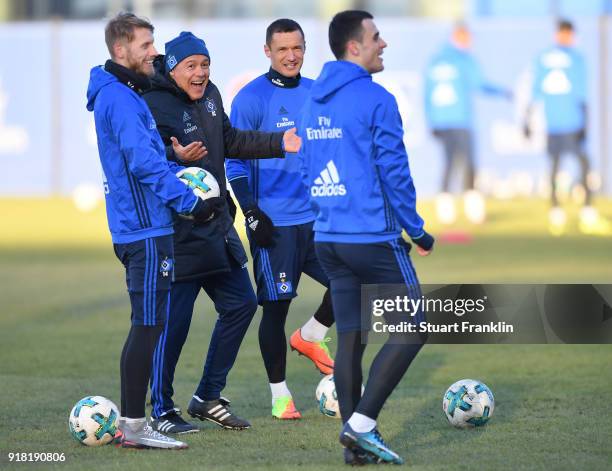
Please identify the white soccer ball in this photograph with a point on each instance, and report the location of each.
(327, 397)
(468, 403)
(202, 182)
(93, 421)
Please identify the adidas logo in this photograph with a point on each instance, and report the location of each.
(253, 223)
(165, 426)
(219, 412)
(283, 110)
(328, 184)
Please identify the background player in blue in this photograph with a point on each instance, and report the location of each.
(560, 82)
(210, 257)
(278, 214)
(452, 78)
(355, 165)
(140, 189)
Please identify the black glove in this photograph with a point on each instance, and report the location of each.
(425, 241)
(260, 226)
(205, 210)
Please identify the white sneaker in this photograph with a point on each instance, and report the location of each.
(474, 207)
(556, 221)
(138, 434)
(445, 208)
(592, 223)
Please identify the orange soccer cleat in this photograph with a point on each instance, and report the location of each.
(318, 352)
(284, 409)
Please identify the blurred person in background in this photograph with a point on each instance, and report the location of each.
(278, 214)
(452, 78)
(197, 133)
(560, 82)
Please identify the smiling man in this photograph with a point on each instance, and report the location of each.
(190, 117)
(355, 164)
(278, 214)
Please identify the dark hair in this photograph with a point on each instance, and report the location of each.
(344, 27)
(565, 25)
(282, 25)
(122, 26)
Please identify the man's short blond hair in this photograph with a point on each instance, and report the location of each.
(122, 27)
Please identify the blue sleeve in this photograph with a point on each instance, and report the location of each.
(302, 155)
(245, 114)
(147, 164)
(391, 161)
(243, 193)
(174, 167)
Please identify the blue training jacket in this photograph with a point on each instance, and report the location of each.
(451, 79)
(139, 183)
(353, 159)
(275, 184)
(560, 82)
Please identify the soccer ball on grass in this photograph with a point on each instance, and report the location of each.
(327, 397)
(93, 421)
(468, 403)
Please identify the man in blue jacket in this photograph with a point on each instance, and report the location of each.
(355, 166)
(278, 214)
(560, 82)
(452, 78)
(141, 191)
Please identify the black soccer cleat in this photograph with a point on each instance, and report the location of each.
(357, 458)
(218, 412)
(172, 422)
(370, 443)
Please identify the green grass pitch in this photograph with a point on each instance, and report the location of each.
(65, 314)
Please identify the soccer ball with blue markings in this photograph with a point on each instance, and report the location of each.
(468, 403)
(202, 182)
(327, 397)
(93, 421)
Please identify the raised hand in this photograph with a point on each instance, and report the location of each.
(291, 141)
(189, 153)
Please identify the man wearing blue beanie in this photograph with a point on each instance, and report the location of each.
(184, 45)
(191, 120)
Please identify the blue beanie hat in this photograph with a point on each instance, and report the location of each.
(184, 45)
